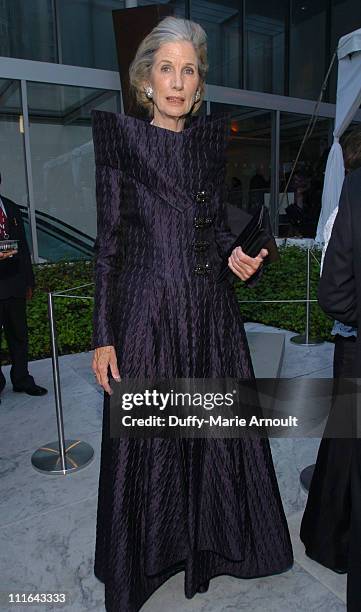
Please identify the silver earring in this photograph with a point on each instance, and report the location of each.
(149, 92)
(197, 96)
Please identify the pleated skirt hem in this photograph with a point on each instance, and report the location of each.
(116, 602)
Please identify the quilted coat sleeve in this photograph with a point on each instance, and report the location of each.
(107, 253)
(223, 235)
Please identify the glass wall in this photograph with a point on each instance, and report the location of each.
(265, 50)
(223, 23)
(281, 39)
(75, 32)
(12, 154)
(274, 46)
(345, 17)
(300, 205)
(62, 160)
(307, 48)
(28, 30)
(62, 164)
(253, 180)
(248, 160)
(86, 32)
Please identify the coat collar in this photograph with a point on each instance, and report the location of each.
(176, 165)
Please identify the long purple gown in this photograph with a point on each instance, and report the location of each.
(206, 507)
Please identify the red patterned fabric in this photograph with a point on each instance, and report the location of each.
(3, 225)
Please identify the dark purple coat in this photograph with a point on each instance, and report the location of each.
(151, 270)
(161, 233)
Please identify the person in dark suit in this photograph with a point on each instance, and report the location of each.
(326, 521)
(339, 295)
(16, 286)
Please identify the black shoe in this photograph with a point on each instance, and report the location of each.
(31, 390)
(2, 381)
(203, 588)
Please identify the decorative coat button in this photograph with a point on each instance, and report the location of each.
(201, 245)
(202, 197)
(202, 221)
(202, 269)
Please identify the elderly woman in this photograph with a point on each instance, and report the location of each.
(159, 313)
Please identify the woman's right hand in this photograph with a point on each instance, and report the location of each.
(104, 357)
(6, 254)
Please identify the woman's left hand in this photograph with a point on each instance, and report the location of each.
(243, 265)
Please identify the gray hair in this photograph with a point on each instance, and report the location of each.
(170, 29)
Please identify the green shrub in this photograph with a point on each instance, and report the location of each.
(73, 316)
(284, 280)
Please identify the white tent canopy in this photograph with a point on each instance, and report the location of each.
(348, 101)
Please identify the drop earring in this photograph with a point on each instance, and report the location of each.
(197, 96)
(149, 92)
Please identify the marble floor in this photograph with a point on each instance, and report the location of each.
(47, 523)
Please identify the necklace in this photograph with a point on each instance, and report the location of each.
(169, 130)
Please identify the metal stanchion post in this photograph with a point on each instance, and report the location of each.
(304, 339)
(62, 456)
(56, 379)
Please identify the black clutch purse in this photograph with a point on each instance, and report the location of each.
(256, 235)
